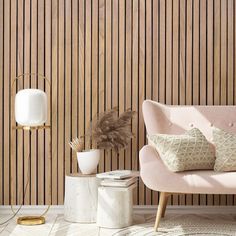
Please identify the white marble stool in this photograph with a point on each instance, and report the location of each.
(81, 193)
(115, 206)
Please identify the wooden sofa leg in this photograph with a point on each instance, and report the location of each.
(165, 203)
(160, 209)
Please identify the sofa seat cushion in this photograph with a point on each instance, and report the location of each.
(225, 144)
(189, 151)
(156, 176)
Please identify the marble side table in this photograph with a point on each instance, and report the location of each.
(81, 193)
(115, 206)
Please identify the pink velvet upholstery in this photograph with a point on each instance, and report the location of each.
(161, 118)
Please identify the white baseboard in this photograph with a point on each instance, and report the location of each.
(59, 209)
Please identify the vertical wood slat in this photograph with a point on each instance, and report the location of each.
(189, 52)
(87, 64)
(41, 133)
(106, 69)
(102, 54)
(234, 64)
(6, 74)
(104, 57)
(121, 69)
(223, 47)
(48, 73)
(61, 100)
(1, 101)
(196, 33)
(162, 48)
(217, 52)
(13, 134)
(203, 51)
(115, 69)
(33, 139)
(210, 52)
(54, 92)
(75, 77)
(68, 87)
(81, 67)
(128, 74)
(182, 49)
(169, 35)
(95, 56)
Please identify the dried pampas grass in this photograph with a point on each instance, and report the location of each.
(77, 144)
(111, 131)
(108, 131)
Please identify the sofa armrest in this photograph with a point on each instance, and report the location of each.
(148, 154)
(153, 171)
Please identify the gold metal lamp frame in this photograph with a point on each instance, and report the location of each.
(29, 220)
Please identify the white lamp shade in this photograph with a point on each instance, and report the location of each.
(31, 107)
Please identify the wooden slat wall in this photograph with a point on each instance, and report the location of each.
(99, 54)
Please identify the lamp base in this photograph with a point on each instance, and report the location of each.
(31, 220)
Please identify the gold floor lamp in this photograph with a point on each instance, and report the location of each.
(30, 113)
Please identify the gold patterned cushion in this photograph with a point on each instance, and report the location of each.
(225, 144)
(189, 151)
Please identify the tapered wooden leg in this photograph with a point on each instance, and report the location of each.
(160, 209)
(165, 203)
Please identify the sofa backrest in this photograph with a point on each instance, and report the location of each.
(172, 119)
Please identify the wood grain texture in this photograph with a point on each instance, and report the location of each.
(41, 134)
(54, 97)
(6, 97)
(103, 54)
(48, 73)
(104, 58)
(115, 71)
(13, 134)
(1, 103)
(107, 91)
(75, 73)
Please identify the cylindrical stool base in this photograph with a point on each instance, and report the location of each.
(81, 198)
(115, 207)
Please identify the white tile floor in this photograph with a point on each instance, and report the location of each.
(57, 226)
(172, 224)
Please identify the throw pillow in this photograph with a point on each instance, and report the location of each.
(189, 151)
(225, 144)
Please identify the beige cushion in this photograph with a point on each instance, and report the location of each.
(225, 144)
(189, 151)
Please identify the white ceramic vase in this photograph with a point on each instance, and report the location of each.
(88, 161)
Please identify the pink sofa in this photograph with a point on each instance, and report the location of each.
(165, 119)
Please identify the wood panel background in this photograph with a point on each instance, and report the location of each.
(100, 54)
